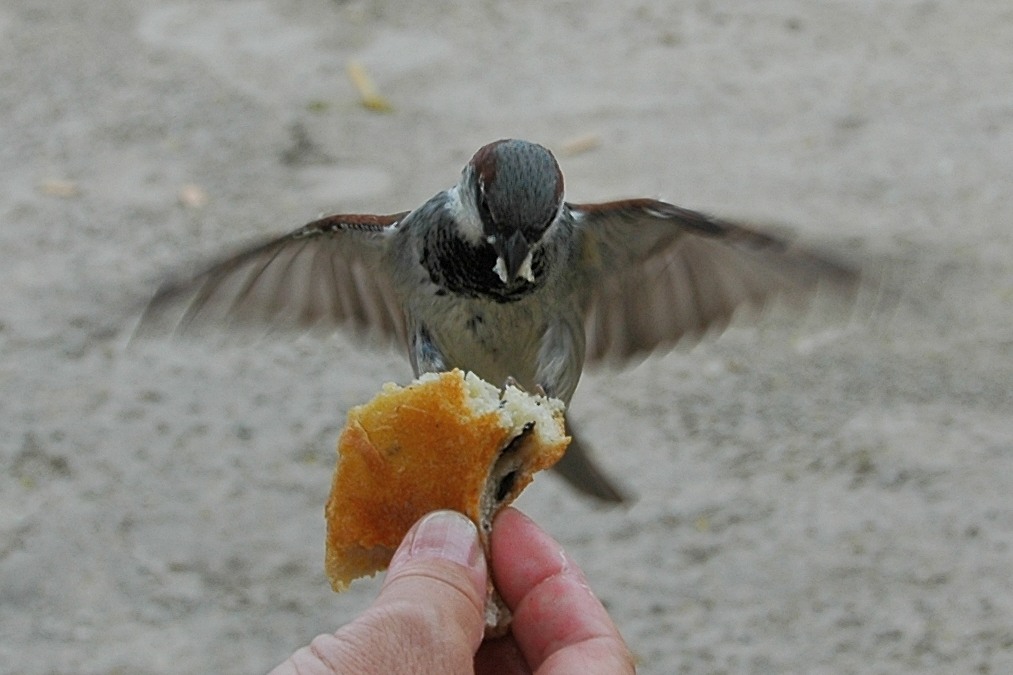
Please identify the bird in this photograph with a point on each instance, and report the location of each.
(501, 276)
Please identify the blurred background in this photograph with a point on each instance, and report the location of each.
(812, 495)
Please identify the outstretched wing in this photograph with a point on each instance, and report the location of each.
(324, 275)
(661, 273)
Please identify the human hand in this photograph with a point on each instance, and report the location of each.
(429, 616)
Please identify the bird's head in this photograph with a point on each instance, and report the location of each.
(517, 189)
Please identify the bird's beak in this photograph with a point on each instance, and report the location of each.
(514, 258)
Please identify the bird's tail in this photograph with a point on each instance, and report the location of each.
(580, 471)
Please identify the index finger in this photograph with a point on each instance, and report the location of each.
(558, 623)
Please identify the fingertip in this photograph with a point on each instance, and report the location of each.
(556, 616)
(442, 547)
(522, 555)
(441, 535)
(437, 583)
(429, 616)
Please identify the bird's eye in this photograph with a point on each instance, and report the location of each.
(484, 212)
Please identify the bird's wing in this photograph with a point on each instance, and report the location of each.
(660, 273)
(326, 274)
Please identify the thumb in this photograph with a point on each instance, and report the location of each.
(439, 569)
(429, 616)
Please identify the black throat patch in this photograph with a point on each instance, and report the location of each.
(463, 269)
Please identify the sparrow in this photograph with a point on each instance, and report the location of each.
(500, 275)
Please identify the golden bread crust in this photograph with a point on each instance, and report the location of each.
(412, 450)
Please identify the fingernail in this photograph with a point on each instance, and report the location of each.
(441, 535)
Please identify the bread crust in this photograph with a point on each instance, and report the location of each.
(446, 441)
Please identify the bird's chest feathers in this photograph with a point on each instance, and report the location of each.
(472, 331)
(491, 339)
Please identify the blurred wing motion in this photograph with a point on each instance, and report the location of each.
(324, 275)
(661, 273)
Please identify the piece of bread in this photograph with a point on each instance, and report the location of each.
(446, 441)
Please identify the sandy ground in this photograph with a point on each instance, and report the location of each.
(813, 497)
